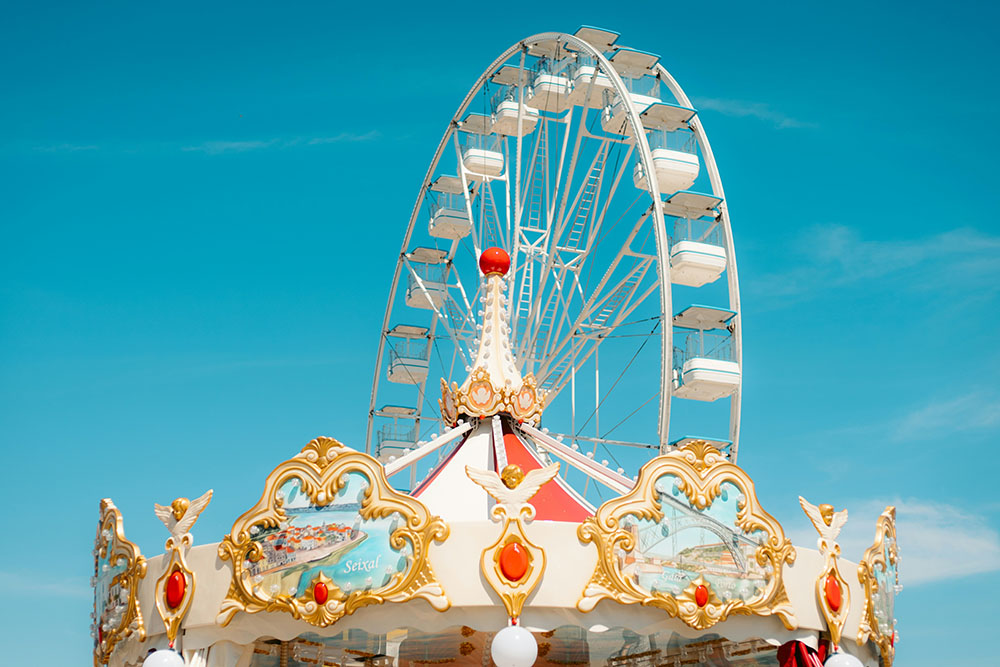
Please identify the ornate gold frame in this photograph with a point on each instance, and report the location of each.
(320, 467)
(112, 544)
(701, 470)
(875, 558)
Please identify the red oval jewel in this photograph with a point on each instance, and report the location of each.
(833, 594)
(176, 585)
(701, 595)
(320, 592)
(513, 561)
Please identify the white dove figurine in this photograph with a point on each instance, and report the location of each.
(180, 516)
(827, 522)
(512, 488)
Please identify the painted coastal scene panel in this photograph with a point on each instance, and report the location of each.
(687, 543)
(110, 598)
(332, 539)
(885, 592)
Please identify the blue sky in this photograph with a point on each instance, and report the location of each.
(200, 209)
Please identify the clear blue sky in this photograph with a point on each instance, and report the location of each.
(200, 209)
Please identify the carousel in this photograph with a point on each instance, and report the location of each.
(550, 470)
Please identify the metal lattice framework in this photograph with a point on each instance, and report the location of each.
(590, 251)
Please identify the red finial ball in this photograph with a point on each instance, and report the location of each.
(494, 260)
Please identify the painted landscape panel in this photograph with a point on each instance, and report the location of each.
(687, 543)
(332, 539)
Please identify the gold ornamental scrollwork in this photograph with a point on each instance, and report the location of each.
(512, 489)
(118, 568)
(322, 469)
(482, 399)
(700, 471)
(881, 557)
(175, 588)
(833, 595)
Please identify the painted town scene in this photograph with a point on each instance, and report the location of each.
(687, 543)
(332, 539)
(110, 599)
(884, 598)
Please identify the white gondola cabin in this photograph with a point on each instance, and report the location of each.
(393, 440)
(550, 85)
(704, 368)
(481, 156)
(409, 354)
(675, 160)
(724, 446)
(449, 213)
(637, 72)
(697, 255)
(588, 83)
(426, 285)
(506, 108)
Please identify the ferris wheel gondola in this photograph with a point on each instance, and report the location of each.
(586, 162)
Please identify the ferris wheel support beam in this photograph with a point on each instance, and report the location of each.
(732, 276)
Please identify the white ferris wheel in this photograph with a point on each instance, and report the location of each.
(586, 162)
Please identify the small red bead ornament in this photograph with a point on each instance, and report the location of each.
(320, 593)
(514, 561)
(701, 595)
(494, 260)
(176, 585)
(833, 594)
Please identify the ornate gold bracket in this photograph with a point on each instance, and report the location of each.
(175, 587)
(322, 470)
(700, 471)
(118, 568)
(833, 595)
(513, 565)
(880, 558)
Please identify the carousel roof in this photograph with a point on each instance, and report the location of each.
(495, 442)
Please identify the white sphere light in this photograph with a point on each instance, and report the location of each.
(163, 658)
(842, 660)
(514, 647)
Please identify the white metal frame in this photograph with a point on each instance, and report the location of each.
(528, 229)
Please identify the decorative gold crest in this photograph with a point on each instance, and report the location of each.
(482, 399)
(513, 565)
(833, 595)
(880, 562)
(700, 472)
(175, 587)
(321, 470)
(118, 568)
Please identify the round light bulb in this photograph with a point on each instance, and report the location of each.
(842, 660)
(164, 658)
(514, 647)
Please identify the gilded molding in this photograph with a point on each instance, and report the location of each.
(512, 490)
(482, 399)
(179, 517)
(700, 471)
(829, 524)
(118, 616)
(322, 469)
(882, 556)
